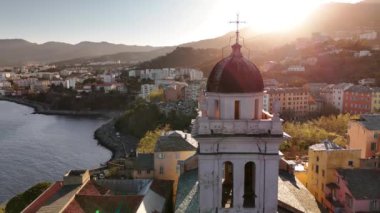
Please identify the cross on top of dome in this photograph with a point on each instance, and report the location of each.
(237, 22)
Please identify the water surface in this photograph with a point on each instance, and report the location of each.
(36, 148)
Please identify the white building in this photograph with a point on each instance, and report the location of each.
(238, 158)
(367, 81)
(337, 95)
(266, 101)
(362, 53)
(296, 68)
(368, 35)
(192, 74)
(70, 83)
(108, 78)
(146, 89)
(194, 90)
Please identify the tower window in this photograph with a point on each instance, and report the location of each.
(227, 185)
(249, 185)
(217, 109)
(237, 110)
(256, 109)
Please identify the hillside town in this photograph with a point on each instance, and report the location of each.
(291, 128)
(191, 171)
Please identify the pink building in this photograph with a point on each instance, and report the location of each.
(355, 190)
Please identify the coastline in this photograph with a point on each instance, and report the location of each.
(40, 108)
(120, 145)
(106, 135)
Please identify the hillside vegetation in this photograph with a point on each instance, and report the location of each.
(19, 202)
(141, 117)
(184, 57)
(315, 131)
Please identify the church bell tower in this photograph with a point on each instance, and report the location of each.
(238, 141)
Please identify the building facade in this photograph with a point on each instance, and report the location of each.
(375, 104)
(338, 93)
(357, 100)
(295, 99)
(355, 190)
(170, 150)
(324, 158)
(364, 134)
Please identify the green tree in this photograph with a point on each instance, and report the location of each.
(308, 133)
(148, 142)
(19, 202)
(156, 95)
(140, 118)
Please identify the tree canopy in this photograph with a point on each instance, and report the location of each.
(19, 202)
(311, 132)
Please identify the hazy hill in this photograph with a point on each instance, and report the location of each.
(123, 57)
(185, 57)
(340, 16)
(18, 51)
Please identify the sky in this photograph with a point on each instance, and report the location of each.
(145, 22)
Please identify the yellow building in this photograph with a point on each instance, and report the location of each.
(169, 152)
(324, 158)
(364, 134)
(375, 105)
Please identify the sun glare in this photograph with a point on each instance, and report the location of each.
(272, 15)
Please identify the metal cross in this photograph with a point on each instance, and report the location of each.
(237, 22)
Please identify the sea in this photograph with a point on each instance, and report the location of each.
(36, 148)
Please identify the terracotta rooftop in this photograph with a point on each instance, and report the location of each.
(93, 203)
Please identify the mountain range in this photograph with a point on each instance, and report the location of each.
(328, 18)
(18, 51)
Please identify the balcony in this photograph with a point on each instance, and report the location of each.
(333, 202)
(206, 126)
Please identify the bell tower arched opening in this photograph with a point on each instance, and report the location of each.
(249, 185)
(227, 185)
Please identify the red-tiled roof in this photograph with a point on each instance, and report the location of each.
(91, 188)
(73, 207)
(124, 203)
(162, 187)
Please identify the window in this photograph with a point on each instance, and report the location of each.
(237, 110)
(227, 185)
(317, 169)
(323, 172)
(348, 200)
(148, 171)
(161, 170)
(350, 163)
(217, 109)
(256, 109)
(373, 146)
(317, 158)
(139, 172)
(161, 155)
(249, 185)
(374, 205)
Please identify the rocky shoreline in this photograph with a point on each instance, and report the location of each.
(120, 145)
